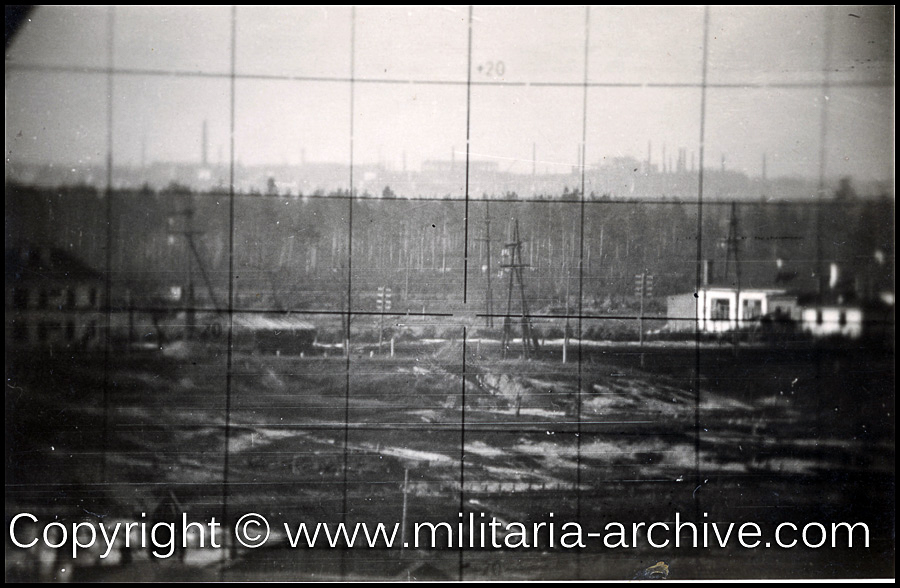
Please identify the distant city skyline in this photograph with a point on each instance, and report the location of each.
(766, 83)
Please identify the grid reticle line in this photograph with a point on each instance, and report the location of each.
(462, 425)
(462, 446)
(823, 146)
(696, 384)
(230, 340)
(109, 243)
(775, 201)
(554, 316)
(740, 85)
(579, 399)
(468, 150)
(346, 448)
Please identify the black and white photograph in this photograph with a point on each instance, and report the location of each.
(449, 293)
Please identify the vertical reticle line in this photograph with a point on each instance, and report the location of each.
(820, 197)
(230, 340)
(462, 439)
(462, 416)
(698, 276)
(823, 141)
(587, 21)
(346, 449)
(468, 121)
(109, 242)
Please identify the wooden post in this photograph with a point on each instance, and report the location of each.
(403, 517)
(641, 319)
(566, 327)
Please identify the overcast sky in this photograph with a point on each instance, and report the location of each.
(292, 99)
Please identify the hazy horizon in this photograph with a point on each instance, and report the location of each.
(412, 100)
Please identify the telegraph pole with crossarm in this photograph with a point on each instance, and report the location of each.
(512, 252)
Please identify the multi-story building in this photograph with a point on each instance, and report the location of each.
(53, 300)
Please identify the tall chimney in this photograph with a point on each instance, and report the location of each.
(707, 272)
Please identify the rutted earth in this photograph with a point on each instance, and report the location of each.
(306, 430)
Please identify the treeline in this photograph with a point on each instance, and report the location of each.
(295, 253)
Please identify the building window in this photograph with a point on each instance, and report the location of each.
(43, 332)
(70, 332)
(842, 319)
(721, 309)
(43, 299)
(752, 309)
(818, 317)
(20, 332)
(93, 297)
(70, 297)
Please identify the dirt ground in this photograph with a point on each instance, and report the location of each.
(627, 434)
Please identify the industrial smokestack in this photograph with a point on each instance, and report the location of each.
(833, 276)
(707, 272)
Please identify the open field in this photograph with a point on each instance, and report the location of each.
(771, 436)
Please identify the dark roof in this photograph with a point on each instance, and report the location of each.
(31, 263)
(849, 300)
(828, 298)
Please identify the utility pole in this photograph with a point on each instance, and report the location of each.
(444, 247)
(566, 331)
(384, 304)
(489, 295)
(732, 251)
(513, 252)
(188, 233)
(403, 516)
(642, 287)
(193, 254)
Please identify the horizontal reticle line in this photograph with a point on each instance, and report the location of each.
(413, 81)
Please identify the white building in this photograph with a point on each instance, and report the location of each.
(719, 309)
(833, 320)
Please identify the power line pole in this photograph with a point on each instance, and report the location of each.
(192, 254)
(642, 288)
(383, 303)
(566, 331)
(732, 251)
(489, 295)
(513, 252)
(188, 233)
